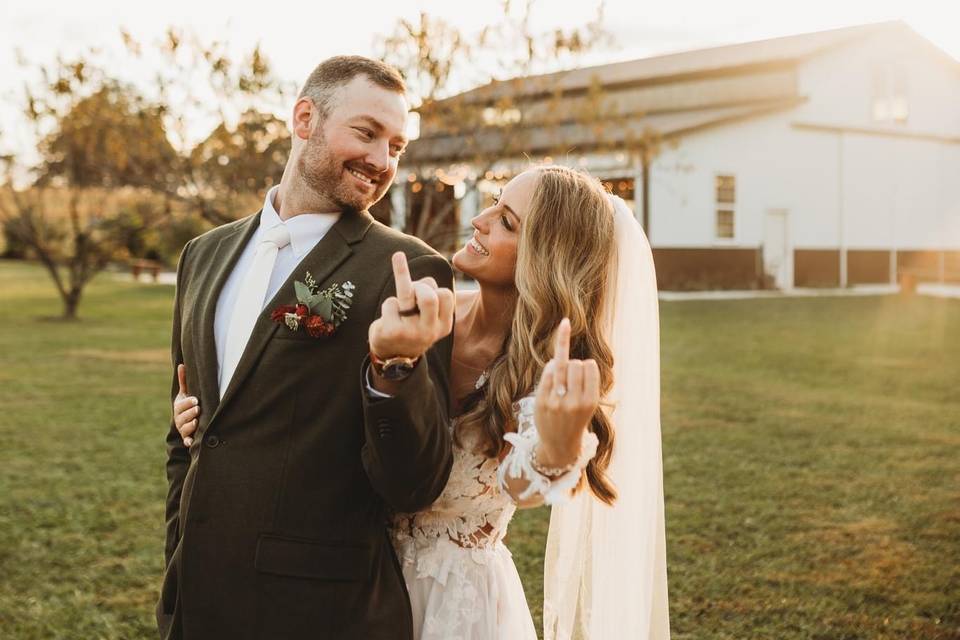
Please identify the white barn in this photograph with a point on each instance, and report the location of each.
(828, 159)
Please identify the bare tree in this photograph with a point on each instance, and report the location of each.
(220, 176)
(98, 139)
(229, 169)
(113, 163)
(481, 128)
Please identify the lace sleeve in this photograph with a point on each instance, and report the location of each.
(517, 463)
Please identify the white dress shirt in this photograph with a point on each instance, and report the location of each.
(306, 230)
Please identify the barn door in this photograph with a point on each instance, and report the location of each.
(776, 255)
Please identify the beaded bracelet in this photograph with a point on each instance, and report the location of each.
(550, 472)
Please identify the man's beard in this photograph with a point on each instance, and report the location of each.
(324, 175)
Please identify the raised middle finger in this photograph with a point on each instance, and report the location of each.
(404, 285)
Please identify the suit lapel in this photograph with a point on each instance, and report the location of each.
(321, 262)
(222, 263)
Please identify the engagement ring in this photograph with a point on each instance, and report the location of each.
(560, 390)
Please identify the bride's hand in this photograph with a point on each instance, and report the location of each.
(186, 408)
(566, 400)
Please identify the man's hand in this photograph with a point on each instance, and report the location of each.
(566, 400)
(186, 408)
(411, 321)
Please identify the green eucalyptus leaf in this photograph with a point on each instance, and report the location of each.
(324, 308)
(303, 292)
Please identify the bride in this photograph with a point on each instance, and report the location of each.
(564, 271)
(555, 389)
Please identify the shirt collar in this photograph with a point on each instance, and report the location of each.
(306, 229)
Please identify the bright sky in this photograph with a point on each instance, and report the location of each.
(297, 35)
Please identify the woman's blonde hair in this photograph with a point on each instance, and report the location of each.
(564, 256)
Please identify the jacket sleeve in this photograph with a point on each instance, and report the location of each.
(407, 451)
(178, 456)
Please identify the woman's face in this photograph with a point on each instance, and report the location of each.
(490, 257)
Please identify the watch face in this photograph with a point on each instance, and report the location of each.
(396, 371)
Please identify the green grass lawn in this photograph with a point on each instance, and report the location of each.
(811, 455)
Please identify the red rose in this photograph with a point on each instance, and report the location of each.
(302, 310)
(314, 325)
(317, 327)
(279, 312)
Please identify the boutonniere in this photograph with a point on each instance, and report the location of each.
(319, 312)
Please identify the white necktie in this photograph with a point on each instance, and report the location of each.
(250, 300)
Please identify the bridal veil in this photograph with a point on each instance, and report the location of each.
(605, 575)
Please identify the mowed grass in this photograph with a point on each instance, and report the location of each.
(811, 457)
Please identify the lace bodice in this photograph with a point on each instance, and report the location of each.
(472, 511)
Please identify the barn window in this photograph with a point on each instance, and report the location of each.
(726, 197)
(497, 117)
(726, 189)
(724, 223)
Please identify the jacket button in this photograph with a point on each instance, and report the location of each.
(213, 442)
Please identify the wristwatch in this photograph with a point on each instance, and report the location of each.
(396, 368)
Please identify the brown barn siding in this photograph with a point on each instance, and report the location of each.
(922, 265)
(868, 266)
(952, 266)
(816, 268)
(689, 269)
(695, 269)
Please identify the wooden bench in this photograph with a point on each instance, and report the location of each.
(149, 266)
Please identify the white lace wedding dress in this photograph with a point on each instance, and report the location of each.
(462, 581)
(605, 566)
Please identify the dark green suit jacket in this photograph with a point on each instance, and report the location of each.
(276, 516)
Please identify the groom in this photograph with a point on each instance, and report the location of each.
(279, 495)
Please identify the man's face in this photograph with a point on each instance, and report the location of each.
(351, 156)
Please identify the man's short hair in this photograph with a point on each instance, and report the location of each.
(333, 73)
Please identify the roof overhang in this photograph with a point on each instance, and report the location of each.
(625, 134)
